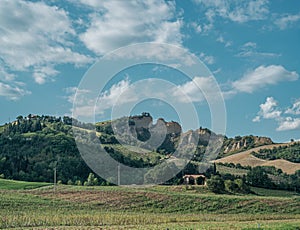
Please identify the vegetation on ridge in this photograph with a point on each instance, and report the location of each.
(33, 147)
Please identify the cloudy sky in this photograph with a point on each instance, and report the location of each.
(251, 48)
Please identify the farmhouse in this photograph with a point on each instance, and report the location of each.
(199, 179)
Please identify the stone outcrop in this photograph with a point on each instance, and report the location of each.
(141, 121)
(242, 143)
(146, 121)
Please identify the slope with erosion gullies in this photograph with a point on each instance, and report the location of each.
(251, 157)
(239, 144)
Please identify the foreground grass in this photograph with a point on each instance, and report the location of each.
(134, 222)
(161, 207)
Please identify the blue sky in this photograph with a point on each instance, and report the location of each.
(251, 47)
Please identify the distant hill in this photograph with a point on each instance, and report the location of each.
(247, 158)
(239, 144)
(32, 146)
(290, 152)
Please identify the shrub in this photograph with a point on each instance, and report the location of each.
(78, 183)
(91, 180)
(259, 177)
(216, 184)
(230, 186)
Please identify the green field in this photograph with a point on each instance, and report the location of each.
(233, 171)
(159, 207)
(274, 193)
(20, 185)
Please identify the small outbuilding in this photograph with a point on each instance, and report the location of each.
(199, 179)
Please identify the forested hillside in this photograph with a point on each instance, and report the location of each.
(33, 147)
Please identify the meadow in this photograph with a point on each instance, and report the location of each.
(41, 206)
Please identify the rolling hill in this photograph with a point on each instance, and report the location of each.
(246, 158)
(32, 146)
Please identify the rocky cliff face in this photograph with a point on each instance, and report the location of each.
(142, 126)
(145, 121)
(141, 121)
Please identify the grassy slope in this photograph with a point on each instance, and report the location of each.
(157, 207)
(2, 127)
(246, 158)
(20, 185)
(273, 193)
(234, 171)
(136, 153)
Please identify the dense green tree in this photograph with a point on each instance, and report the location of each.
(216, 184)
(230, 186)
(200, 180)
(257, 176)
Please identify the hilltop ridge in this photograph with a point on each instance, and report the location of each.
(32, 146)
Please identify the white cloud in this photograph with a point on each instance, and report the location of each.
(223, 41)
(12, 92)
(197, 28)
(84, 104)
(87, 102)
(120, 93)
(79, 93)
(118, 23)
(170, 54)
(289, 124)
(256, 119)
(250, 44)
(195, 89)
(295, 109)
(42, 73)
(287, 21)
(207, 59)
(268, 110)
(271, 110)
(5, 75)
(263, 76)
(236, 10)
(35, 37)
(125, 93)
(249, 49)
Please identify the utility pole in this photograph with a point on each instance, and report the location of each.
(119, 179)
(54, 179)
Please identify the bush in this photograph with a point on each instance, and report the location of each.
(241, 185)
(78, 183)
(216, 184)
(230, 186)
(91, 180)
(259, 177)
